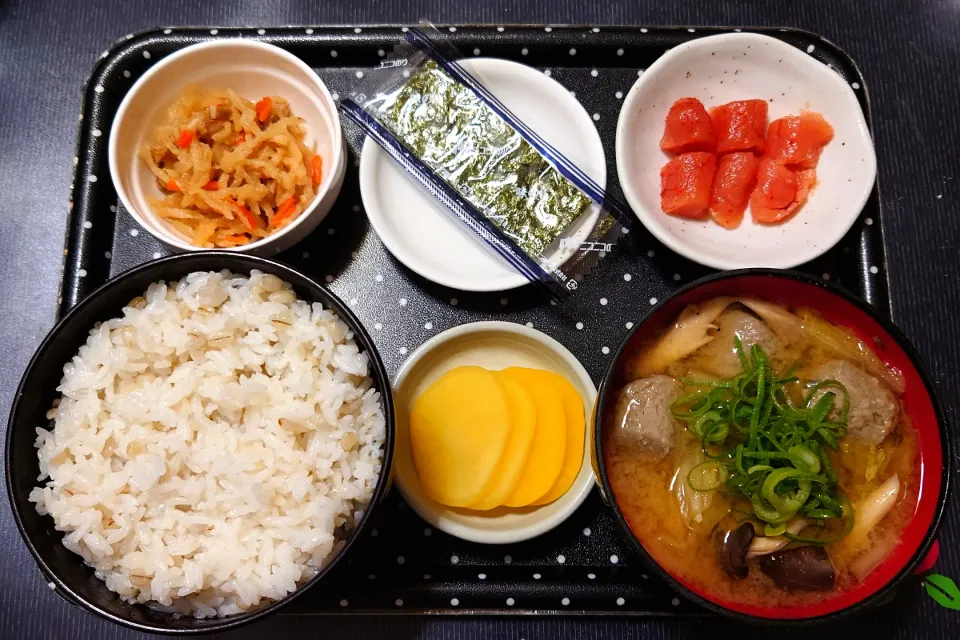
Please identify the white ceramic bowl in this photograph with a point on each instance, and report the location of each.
(739, 66)
(427, 238)
(495, 346)
(253, 70)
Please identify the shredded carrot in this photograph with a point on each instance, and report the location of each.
(186, 137)
(286, 208)
(238, 239)
(316, 170)
(172, 185)
(247, 218)
(264, 107)
(241, 137)
(213, 185)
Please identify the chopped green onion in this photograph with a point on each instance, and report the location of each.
(707, 476)
(801, 457)
(764, 448)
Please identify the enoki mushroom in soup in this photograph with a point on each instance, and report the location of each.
(761, 453)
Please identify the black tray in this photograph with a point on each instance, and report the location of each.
(581, 567)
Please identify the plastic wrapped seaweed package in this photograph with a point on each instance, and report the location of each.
(517, 193)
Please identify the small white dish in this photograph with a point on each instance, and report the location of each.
(495, 346)
(426, 237)
(252, 69)
(740, 66)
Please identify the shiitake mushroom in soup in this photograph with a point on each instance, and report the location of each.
(760, 453)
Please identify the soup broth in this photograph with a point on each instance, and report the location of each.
(864, 471)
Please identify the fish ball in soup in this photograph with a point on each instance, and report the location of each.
(873, 409)
(643, 414)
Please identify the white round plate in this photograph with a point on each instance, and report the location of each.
(426, 237)
(495, 346)
(740, 66)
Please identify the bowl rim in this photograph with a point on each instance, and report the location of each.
(582, 485)
(161, 233)
(241, 263)
(898, 337)
(798, 58)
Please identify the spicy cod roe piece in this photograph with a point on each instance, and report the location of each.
(774, 183)
(798, 141)
(687, 128)
(685, 184)
(734, 181)
(740, 125)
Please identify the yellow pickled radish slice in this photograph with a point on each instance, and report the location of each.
(550, 440)
(576, 426)
(523, 416)
(459, 427)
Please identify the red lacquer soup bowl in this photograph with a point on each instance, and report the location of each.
(920, 404)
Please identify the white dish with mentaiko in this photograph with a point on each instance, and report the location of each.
(739, 68)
